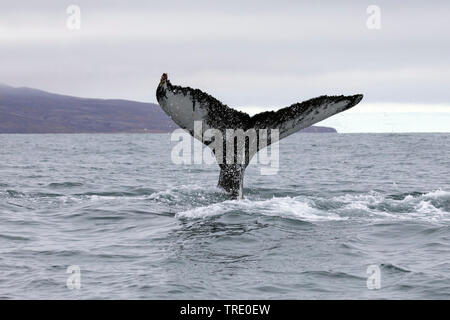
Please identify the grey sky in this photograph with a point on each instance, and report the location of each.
(257, 54)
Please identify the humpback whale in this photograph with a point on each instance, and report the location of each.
(186, 106)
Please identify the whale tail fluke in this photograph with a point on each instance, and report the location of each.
(186, 106)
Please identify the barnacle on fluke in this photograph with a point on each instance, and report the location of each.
(186, 105)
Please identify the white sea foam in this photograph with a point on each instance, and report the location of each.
(371, 205)
(438, 194)
(292, 208)
(176, 192)
(424, 207)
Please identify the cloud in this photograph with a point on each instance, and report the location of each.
(261, 53)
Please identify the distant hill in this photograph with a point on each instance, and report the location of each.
(319, 129)
(26, 110)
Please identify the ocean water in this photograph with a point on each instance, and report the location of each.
(140, 227)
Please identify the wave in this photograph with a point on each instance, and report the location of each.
(67, 184)
(191, 195)
(291, 208)
(432, 207)
(195, 201)
(13, 237)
